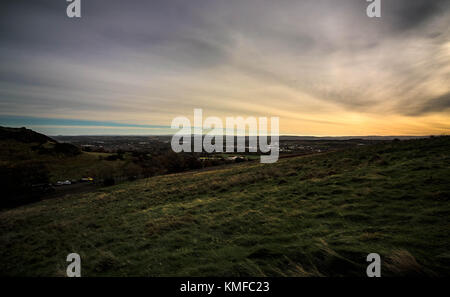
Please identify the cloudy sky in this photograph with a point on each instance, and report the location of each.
(322, 66)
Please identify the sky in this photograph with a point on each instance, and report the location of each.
(130, 67)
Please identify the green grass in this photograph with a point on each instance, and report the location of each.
(61, 167)
(84, 165)
(306, 216)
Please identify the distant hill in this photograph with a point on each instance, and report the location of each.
(316, 215)
(23, 135)
(29, 161)
(30, 142)
(28, 158)
(23, 150)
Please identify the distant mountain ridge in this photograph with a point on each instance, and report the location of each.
(33, 141)
(23, 135)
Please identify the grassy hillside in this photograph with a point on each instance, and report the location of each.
(23, 150)
(306, 216)
(60, 166)
(23, 135)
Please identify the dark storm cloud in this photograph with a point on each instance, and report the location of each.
(189, 25)
(437, 104)
(409, 14)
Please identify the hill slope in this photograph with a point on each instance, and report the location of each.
(22, 151)
(21, 145)
(313, 215)
(23, 135)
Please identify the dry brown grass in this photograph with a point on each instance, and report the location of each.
(402, 263)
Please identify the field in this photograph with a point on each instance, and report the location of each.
(317, 215)
(60, 166)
